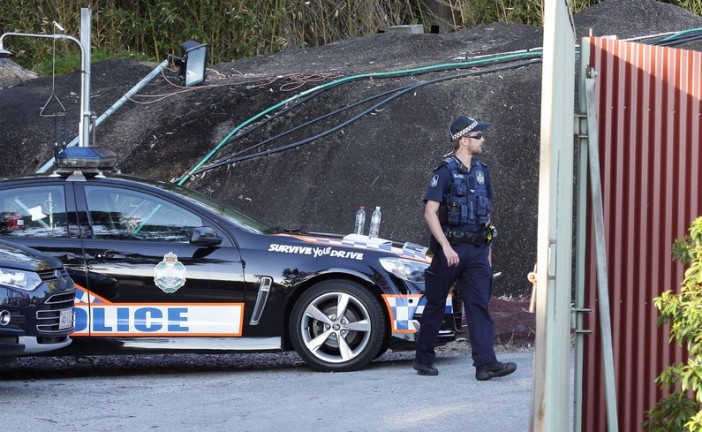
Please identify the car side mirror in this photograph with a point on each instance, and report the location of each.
(205, 236)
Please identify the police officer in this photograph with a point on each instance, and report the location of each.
(457, 211)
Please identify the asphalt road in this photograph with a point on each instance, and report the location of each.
(387, 396)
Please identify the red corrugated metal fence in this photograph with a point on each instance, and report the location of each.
(650, 126)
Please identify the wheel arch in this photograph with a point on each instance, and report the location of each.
(335, 274)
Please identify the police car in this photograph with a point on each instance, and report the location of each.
(160, 268)
(36, 300)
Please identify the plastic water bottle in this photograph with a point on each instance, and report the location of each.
(375, 223)
(360, 224)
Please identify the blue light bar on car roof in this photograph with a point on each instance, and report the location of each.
(86, 157)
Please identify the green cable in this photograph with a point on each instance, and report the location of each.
(339, 81)
(681, 33)
(444, 66)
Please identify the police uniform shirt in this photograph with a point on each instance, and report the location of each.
(441, 181)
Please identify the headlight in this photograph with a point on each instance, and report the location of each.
(412, 271)
(24, 280)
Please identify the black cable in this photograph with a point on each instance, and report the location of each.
(397, 93)
(277, 114)
(496, 60)
(676, 39)
(322, 117)
(679, 40)
(306, 140)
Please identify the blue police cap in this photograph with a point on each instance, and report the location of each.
(463, 125)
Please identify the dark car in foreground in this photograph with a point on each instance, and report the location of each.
(160, 268)
(36, 301)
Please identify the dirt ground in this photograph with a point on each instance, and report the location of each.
(515, 326)
(268, 144)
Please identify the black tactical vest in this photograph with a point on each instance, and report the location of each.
(467, 204)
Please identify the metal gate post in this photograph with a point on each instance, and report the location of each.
(601, 252)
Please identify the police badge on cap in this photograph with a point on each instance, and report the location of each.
(463, 125)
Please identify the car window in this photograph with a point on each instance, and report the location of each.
(122, 214)
(38, 211)
(239, 219)
(210, 205)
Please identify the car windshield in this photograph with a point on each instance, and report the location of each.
(239, 219)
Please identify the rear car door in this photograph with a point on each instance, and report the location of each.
(41, 214)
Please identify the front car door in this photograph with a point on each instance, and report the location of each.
(147, 286)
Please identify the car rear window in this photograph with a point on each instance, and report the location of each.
(38, 211)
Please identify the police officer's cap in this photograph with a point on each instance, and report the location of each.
(463, 125)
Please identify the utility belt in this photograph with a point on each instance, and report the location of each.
(484, 236)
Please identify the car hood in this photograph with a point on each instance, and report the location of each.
(25, 258)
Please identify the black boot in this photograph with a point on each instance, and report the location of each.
(424, 369)
(494, 370)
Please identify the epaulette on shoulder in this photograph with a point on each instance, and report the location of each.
(446, 162)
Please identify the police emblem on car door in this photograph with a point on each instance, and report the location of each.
(169, 274)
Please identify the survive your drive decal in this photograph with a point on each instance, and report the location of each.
(95, 316)
(357, 242)
(315, 251)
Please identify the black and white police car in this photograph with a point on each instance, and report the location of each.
(160, 268)
(36, 299)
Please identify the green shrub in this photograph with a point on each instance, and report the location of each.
(681, 410)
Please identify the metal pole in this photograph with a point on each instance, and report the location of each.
(115, 106)
(84, 126)
(601, 253)
(580, 243)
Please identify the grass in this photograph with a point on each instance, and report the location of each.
(70, 62)
(244, 28)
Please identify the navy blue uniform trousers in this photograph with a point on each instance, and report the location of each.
(474, 276)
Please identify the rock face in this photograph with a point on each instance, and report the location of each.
(308, 160)
(12, 75)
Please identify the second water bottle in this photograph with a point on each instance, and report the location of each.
(375, 223)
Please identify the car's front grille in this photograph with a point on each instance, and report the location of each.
(61, 301)
(16, 318)
(48, 320)
(9, 340)
(50, 275)
(47, 275)
(51, 340)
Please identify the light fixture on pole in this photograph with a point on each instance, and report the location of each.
(192, 63)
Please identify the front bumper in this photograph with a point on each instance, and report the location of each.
(37, 345)
(10, 346)
(40, 320)
(406, 320)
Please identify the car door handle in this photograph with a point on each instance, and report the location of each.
(110, 255)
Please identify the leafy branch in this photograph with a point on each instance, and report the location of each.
(681, 410)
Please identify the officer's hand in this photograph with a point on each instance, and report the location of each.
(451, 256)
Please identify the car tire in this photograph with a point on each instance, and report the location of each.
(331, 343)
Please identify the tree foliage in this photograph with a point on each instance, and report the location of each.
(681, 410)
(245, 28)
